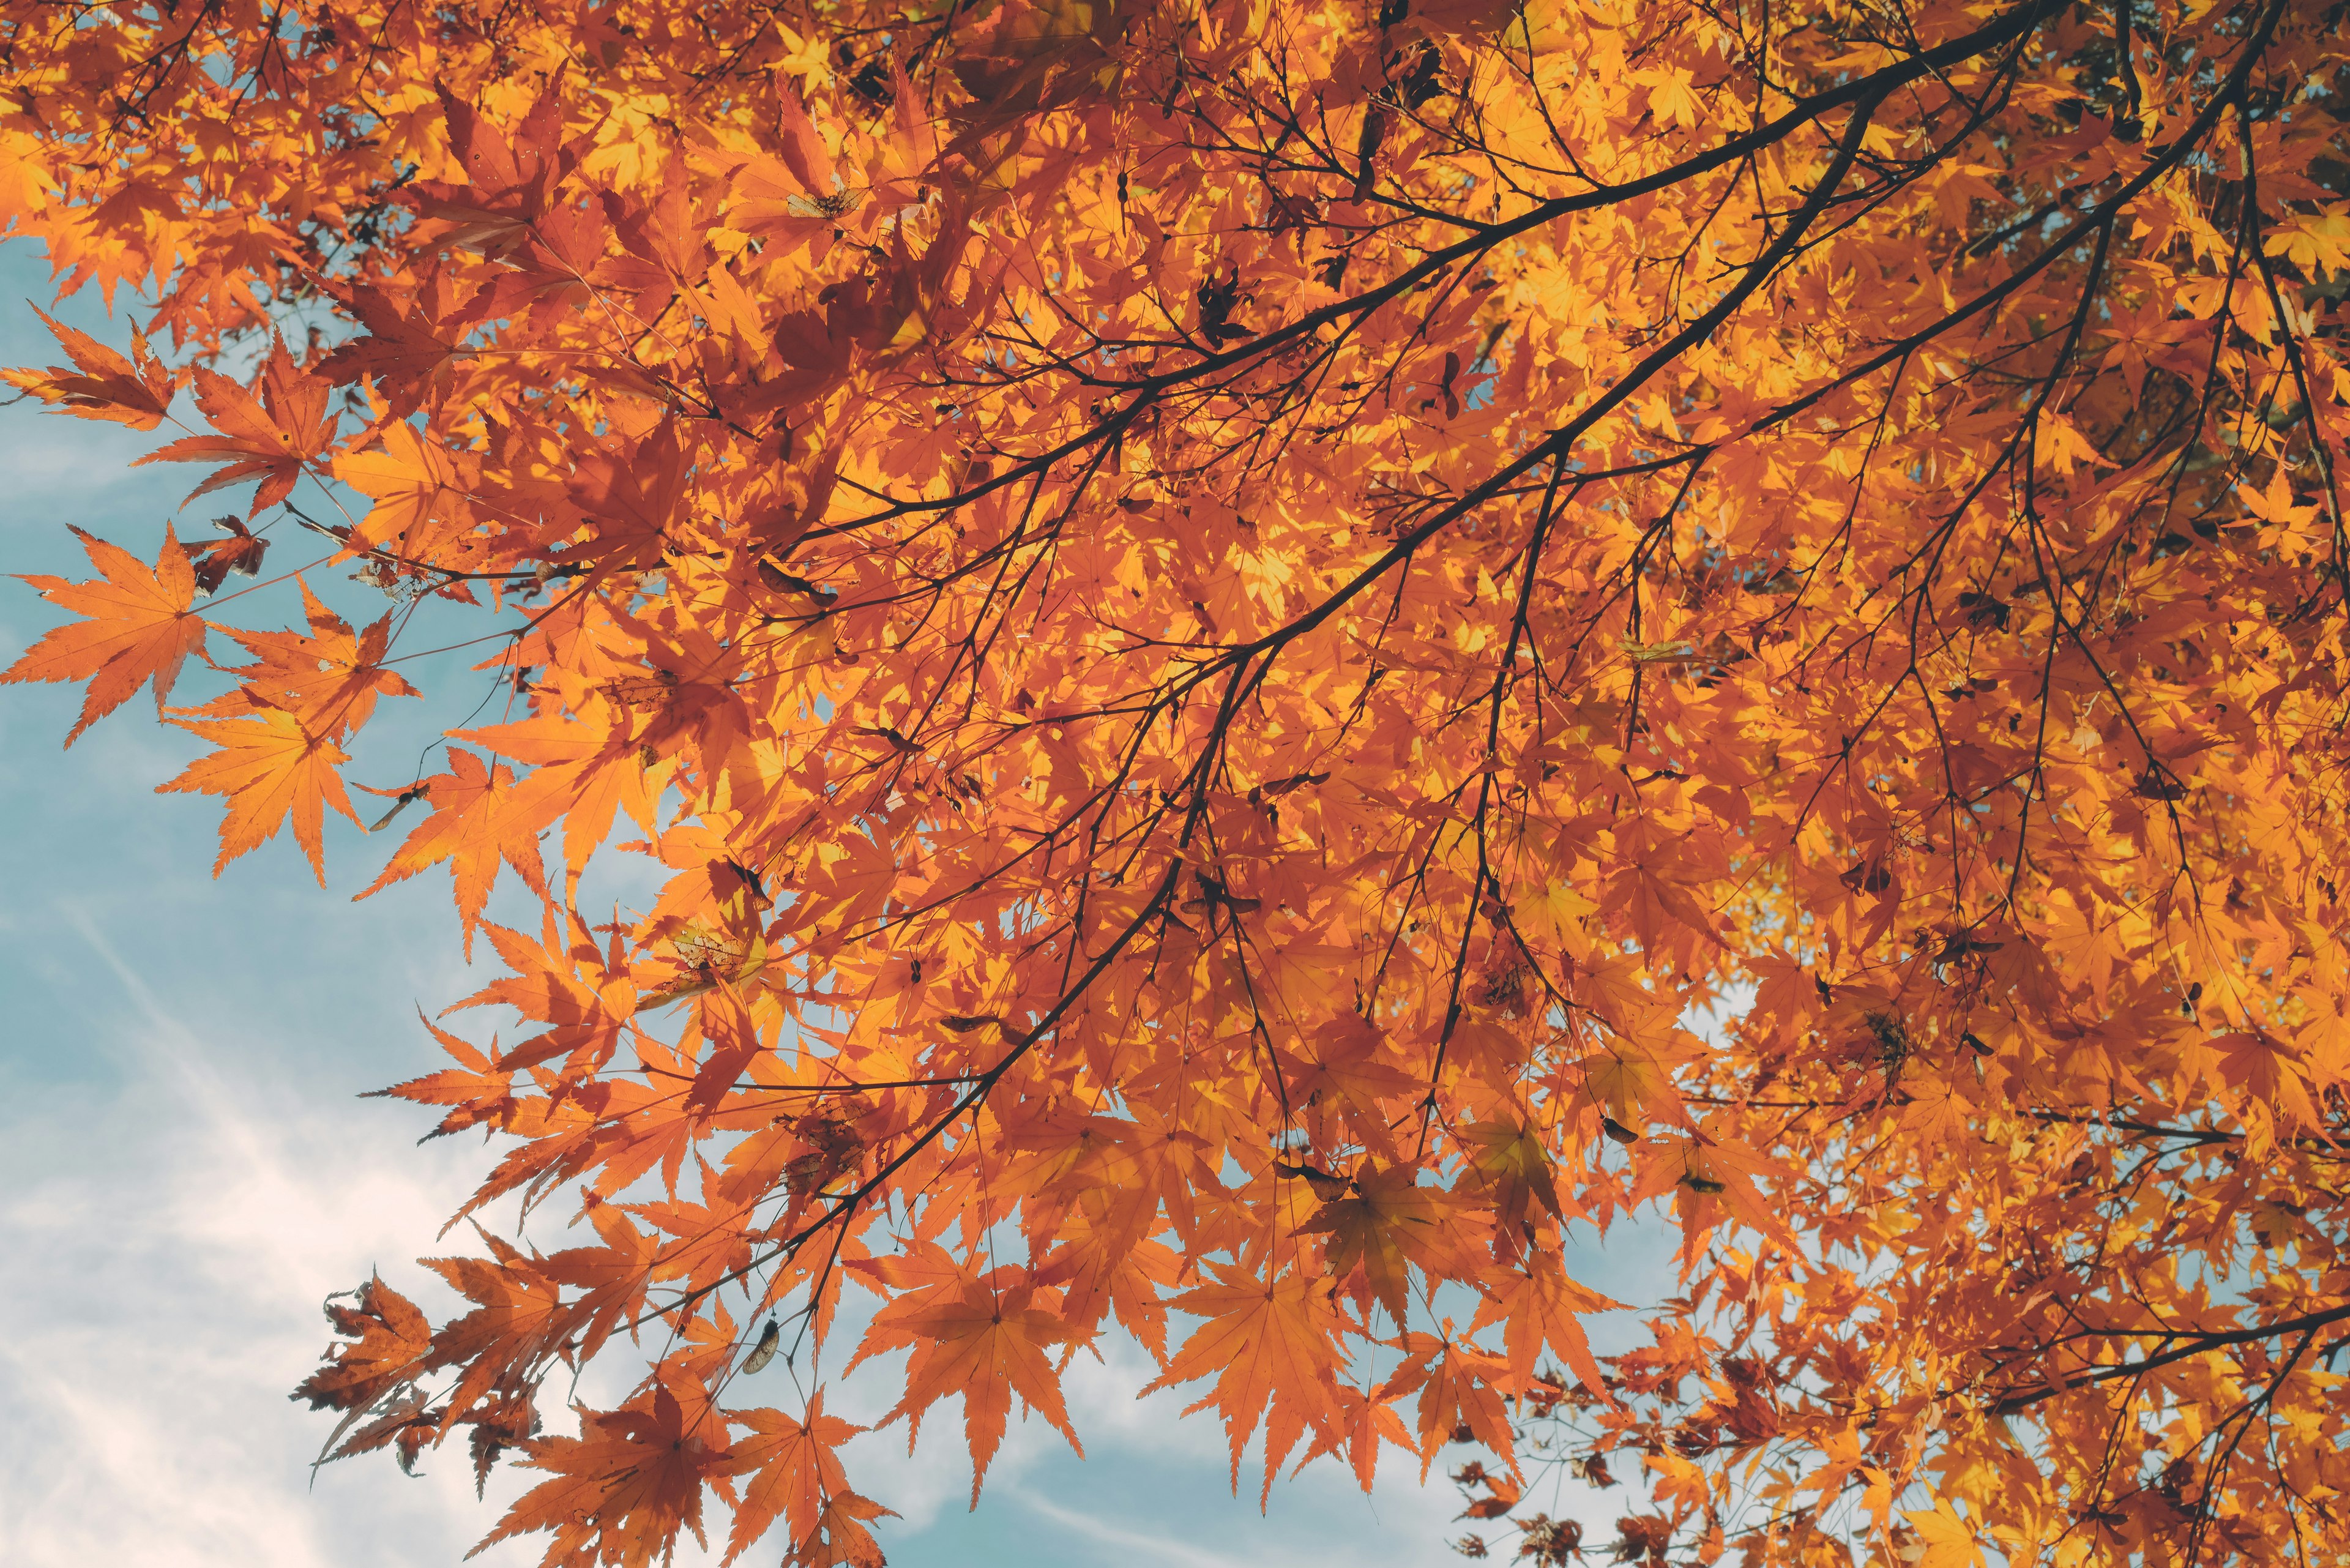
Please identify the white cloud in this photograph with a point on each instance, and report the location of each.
(1133, 1545)
(173, 1241)
(178, 1220)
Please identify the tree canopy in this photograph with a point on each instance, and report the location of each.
(1279, 656)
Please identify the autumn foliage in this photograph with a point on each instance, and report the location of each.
(1280, 656)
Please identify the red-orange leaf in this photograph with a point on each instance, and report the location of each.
(414, 484)
(1459, 1388)
(1271, 1350)
(270, 437)
(985, 1340)
(795, 1472)
(140, 628)
(391, 1338)
(480, 1090)
(469, 828)
(624, 1488)
(1384, 1224)
(102, 385)
(409, 359)
(268, 766)
(840, 1539)
(329, 679)
(1540, 1309)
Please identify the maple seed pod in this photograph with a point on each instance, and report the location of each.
(1617, 1130)
(764, 1351)
(1706, 1184)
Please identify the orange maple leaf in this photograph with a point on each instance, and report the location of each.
(632, 495)
(140, 628)
(795, 1472)
(479, 1089)
(1945, 1540)
(985, 1340)
(414, 484)
(268, 766)
(1539, 1307)
(589, 1009)
(509, 186)
(628, 1483)
(1459, 1386)
(584, 775)
(103, 385)
(1510, 1156)
(839, 1539)
(518, 1317)
(273, 437)
(328, 680)
(1381, 1226)
(392, 1340)
(409, 360)
(469, 828)
(1271, 1346)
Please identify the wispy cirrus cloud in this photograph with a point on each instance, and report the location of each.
(178, 1216)
(173, 1225)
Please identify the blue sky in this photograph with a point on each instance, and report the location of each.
(186, 1170)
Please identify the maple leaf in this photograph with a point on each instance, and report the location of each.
(795, 1474)
(2315, 245)
(414, 482)
(633, 1478)
(985, 1339)
(1267, 1345)
(391, 1340)
(403, 352)
(272, 437)
(1390, 1223)
(585, 776)
(328, 680)
(2274, 504)
(239, 550)
(1944, 1540)
(269, 768)
(479, 1087)
(138, 629)
(634, 496)
(1539, 1308)
(509, 183)
(734, 1039)
(102, 384)
(1366, 1422)
(839, 1539)
(1461, 1388)
(518, 1318)
(469, 830)
(1347, 1070)
(589, 1005)
(1510, 1155)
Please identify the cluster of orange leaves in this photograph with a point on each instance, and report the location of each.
(1277, 653)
